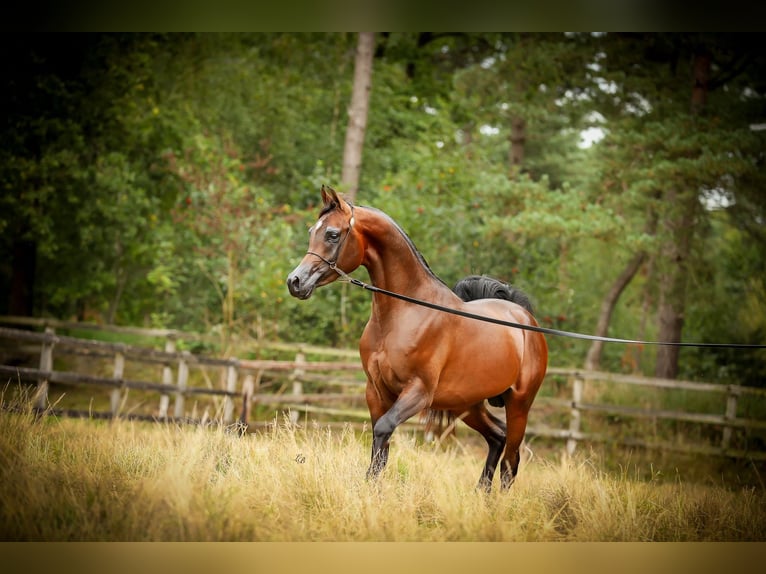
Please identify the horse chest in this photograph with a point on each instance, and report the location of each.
(383, 372)
(397, 354)
(391, 371)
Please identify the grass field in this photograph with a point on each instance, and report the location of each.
(69, 479)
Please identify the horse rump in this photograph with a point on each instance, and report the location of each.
(482, 287)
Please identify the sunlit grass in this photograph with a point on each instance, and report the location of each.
(67, 479)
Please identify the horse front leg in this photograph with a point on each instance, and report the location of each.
(377, 407)
(411, 401)
(378, 460)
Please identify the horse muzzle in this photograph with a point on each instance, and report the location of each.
(302, 281)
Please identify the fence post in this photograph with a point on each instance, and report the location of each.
(248, 390)
(167, 377)
(296, 376)
(575, 415)
(231, 386)
(119, 370)
(183, 379)
(46, 366)
(731, 414)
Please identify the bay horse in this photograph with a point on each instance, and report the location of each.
(417, 358)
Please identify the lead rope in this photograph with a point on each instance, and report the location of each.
(545, 330)
(347, 278)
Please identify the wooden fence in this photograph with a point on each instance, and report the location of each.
(337, 391)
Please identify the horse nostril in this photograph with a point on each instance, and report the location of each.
(293, 282)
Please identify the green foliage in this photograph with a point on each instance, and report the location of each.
(169, 180)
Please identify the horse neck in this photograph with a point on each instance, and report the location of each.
(393, 263)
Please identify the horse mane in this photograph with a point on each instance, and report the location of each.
(407, 240)
(482, 287)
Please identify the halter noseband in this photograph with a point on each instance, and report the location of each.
(334, 263)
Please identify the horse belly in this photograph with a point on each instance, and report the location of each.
(477, 373)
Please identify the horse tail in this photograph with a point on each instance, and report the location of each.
(482, 287)
(435, 425)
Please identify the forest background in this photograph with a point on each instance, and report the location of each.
(168, 180)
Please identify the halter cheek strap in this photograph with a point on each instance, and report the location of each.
(334, 263)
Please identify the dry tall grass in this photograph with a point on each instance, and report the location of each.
(65, 479)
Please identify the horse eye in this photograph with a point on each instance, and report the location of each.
(332, 235)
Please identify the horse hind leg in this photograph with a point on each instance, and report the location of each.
(516, 412)
(518, 401)
(493, 431)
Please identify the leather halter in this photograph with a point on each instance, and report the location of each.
(333, 264)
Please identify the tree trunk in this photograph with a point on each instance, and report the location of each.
(121, 281)
(518, 139)
(357, 115)
(673, 280)
(702, 62)
(593, 359)
(21, 295)
(677, 249)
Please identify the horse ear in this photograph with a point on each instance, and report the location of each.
(330, 197)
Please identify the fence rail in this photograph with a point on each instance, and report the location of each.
(241, 381)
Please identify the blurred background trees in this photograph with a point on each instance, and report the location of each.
(168, 180)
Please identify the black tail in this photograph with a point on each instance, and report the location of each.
(481, 287)
(436, 427)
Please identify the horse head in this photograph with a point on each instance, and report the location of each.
(334, 245)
